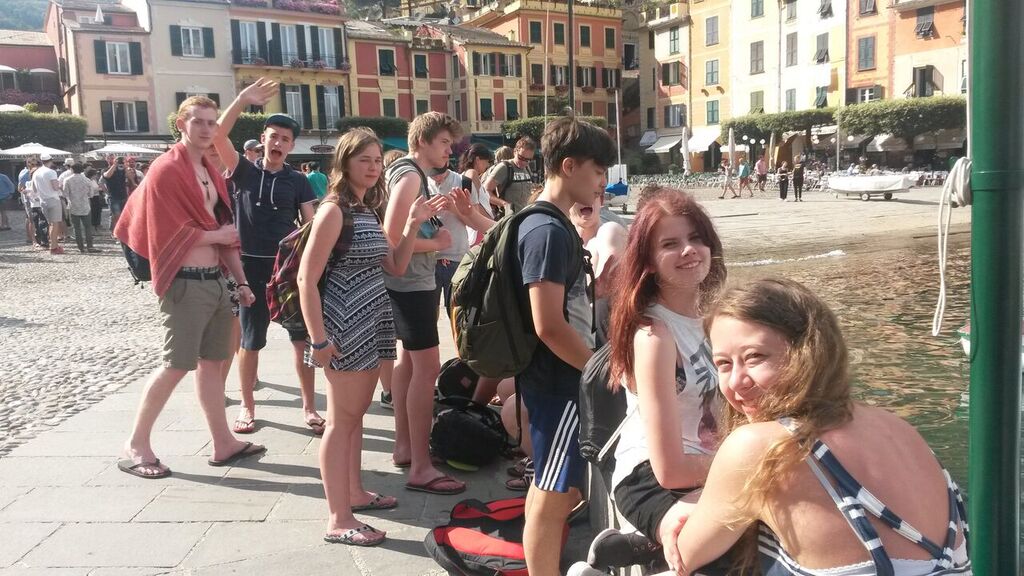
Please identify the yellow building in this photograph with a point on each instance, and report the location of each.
(306, 53)
(710, 78)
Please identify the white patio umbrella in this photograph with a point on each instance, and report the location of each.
(684, 149)
(771, 151)
(124, 149)
(31, 149)
(732, 148)
(12, 108)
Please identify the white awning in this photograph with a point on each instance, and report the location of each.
(702, 138)
(887, 143)
(664, 144)
(649, 137)
(945, 139)
(6, 68)
(823, 130)
(41, 71)
(853, 140)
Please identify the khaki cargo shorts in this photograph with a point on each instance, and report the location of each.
(197, 322)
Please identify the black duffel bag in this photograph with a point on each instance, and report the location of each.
(467, 432)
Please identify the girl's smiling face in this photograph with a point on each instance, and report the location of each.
(680, 257)
(749, 358)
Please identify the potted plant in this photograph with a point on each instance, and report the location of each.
(318, 64)
(259, 62)
(344, 66)
(296, 63)
(536, 87)
(562, 88)
(588, 89)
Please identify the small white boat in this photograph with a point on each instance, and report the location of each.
(884, 185)
(965, 341)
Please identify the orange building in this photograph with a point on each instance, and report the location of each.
(871, 31)
(929, 48)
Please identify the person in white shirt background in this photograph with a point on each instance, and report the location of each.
(47, 187)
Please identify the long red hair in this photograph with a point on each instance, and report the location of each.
(636, 285)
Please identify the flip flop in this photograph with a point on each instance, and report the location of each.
(249, 449)
(379, 502)
(431, 487)
(128, 467)
(348, 537)
(318, 426)
(244, 426)
(408, 463)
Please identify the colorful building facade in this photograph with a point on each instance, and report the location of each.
(665, 77)
(28, 69)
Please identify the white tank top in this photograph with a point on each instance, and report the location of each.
(698, 400)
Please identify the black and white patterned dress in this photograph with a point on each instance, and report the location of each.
(357, 310)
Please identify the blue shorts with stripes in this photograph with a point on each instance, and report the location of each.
(555, 434)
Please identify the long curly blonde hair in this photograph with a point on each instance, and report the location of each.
(813, 386)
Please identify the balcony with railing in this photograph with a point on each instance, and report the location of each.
(329, 8)
(272, 57)
(673, 13)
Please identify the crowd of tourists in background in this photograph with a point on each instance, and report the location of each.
(737, 444)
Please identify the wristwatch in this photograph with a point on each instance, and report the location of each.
(321, 345)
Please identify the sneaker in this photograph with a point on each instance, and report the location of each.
(614, 549)
(584, 569)
(385, 400)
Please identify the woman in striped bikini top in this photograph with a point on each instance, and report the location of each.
(809, 482)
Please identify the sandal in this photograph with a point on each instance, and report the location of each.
(318, 426)
(244, 426)
(521, 484)
(523, 467)
(129, 466)
(431, 486)
(379, 502)
(349, 537)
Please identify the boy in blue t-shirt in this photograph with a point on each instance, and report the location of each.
(576, 158)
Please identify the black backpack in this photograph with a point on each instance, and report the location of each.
(493, 324)
(137, 265)
(601, 412)
(467, 431)
(456, 379)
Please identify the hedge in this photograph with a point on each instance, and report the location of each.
(384, 126)
(905, 118)
(247, 127)
(54, 130)
(534, 126)
(760, 126)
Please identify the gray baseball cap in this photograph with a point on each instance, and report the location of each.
(252, 145)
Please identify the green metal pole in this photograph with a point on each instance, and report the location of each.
(997, 183)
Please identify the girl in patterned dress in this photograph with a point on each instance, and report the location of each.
(351, 331)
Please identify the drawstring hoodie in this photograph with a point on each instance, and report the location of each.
(273, 183)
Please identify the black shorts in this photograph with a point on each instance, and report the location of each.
(255, 319)
(643, 501)
(415, 318)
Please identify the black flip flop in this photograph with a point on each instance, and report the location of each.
(249, 449)
(128, 467)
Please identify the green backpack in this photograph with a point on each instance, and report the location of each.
(491, 315)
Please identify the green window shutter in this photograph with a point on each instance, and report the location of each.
(664, 74)
(284, 98)
(179, 97)
(314, 46)
(135, 56)
(307, 109)
(142, 116)
(261, 41)
(519, 65)
(175, 40)
(276, 58)
(215, 97)
(107, 113)
(341, 103)
(101, 67)
(476, 63)
(321, 112)
(338, 48)
(208, 50)
(300, 37)
(236, 42)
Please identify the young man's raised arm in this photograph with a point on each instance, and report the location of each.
(257, 94)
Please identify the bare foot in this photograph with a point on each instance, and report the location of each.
(143, 462)
(235, 450)
(316, 422)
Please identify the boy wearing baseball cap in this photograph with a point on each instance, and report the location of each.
(270, 197)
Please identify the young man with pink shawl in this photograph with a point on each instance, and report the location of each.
(180, 219)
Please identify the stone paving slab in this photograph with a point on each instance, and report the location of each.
(234, 542)
(9, 494)
(81, 504)
(125, 545)
(187, 471)
(110, 444)
(210, 504)
(318, 560)
(50, 470)
(18, 539)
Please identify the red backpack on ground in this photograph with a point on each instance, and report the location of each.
(483, 539)
(283, 286)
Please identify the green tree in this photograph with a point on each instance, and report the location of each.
(760, 126)
(54, 130)
(905, 118)
(534, 126)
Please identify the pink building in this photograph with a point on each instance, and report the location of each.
(28, 69)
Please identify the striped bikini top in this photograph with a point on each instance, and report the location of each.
(854, 503)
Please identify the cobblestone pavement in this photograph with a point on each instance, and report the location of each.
(73, 328)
